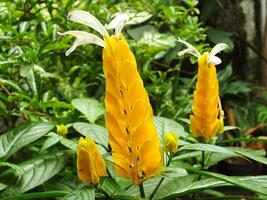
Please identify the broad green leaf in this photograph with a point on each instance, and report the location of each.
(250, 153)
(174, 172)
(69, 143)
(37, 171)
(91, 108)
(15, 139)
(164, 125)
(97, 133)
(250, 185)
(181, 186)
(68, 183)
(50, 141)
(10, 177)
(83, 194)
(110, 186)
(207, 148)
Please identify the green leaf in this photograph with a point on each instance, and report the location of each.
(83, 194)
(10, 83)
(250, 185)
(69, 143)
(97, 133)
(11, 176)
(187, 185)
(50, 141)
(174, 172)
(110, 186)
(207, 148)
(34, 81)
(218, 36)
(37, 171)
(164, 125)
(250, 153)
(91, 108)
(15, 139)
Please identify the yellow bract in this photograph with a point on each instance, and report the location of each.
(62, 129)
(207, 118)
(170, 141)
(90, 164)
(129, 118)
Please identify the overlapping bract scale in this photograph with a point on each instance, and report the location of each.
(205, 119)
(90, 164)
(129, 119)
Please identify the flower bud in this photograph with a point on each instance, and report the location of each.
(170, 141)
(62, 129)
(90, 163)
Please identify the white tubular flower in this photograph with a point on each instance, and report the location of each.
(86, 18)
(212, 58)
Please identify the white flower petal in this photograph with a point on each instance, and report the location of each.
(217, 49)
(214, 60)
(190, 49)
(183, 52)
(118, 23)
(82, 38)
(86, 18)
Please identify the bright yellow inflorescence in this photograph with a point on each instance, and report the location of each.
(207, 118)
(129, 117)
(90, 164)
(170, 141)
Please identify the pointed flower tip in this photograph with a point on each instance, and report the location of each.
(118, 23)
(190, 49)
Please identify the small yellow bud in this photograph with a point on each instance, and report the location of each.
(170, 141)
(62, 129)
(220, 126)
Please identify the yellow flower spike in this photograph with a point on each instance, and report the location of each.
(207, 114)
(90, 164)
(62, 129)
(170, 141)
(129, 117)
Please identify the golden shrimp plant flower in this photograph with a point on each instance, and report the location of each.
(207, 115)
(129, 117)
(90, 164)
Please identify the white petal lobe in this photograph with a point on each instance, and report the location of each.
(214, 60)
(118, 23)
(190, 49)
(86, 18)
(218, 48)
(82, 38)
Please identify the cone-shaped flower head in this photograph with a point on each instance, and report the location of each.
(129, 117)
(207, 118)
(170, 141)
(90, 164)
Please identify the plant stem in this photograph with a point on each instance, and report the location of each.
(202, 166)
(161, 180)
(142, 192)
(202, 162)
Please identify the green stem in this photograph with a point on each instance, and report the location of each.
(142, 192)
(202, 166)
(162, 179)
(37, 195)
